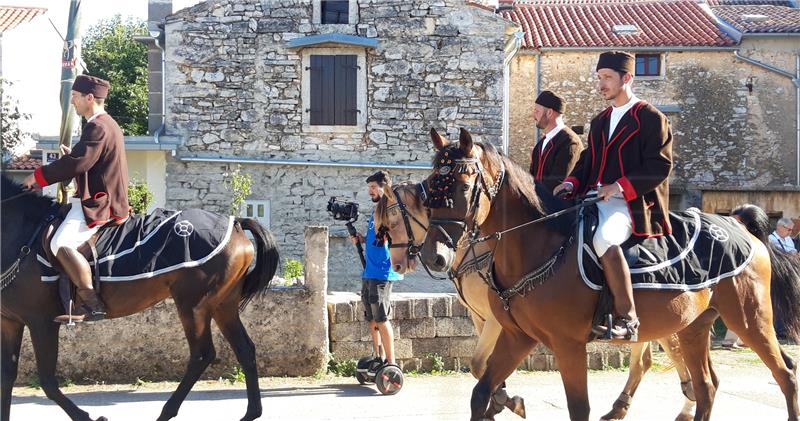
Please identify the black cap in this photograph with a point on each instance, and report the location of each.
(91, 85)
(553, 101)
(617, 60)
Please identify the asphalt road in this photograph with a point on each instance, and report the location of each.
(747, 392)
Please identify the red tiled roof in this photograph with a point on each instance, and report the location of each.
(773, 19)
(590, 23)
(11, 16)
(24, 162)
(786, 3)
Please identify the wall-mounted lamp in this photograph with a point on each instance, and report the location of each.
(751, 81)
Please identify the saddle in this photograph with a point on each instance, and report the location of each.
(701, 250)
(67, 291)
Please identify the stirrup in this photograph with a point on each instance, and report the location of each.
(623, 329)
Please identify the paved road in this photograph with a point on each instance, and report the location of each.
(747, 392)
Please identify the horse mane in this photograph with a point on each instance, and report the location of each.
(536, 197)
(754, 219)
(405, 188)
(37, 204)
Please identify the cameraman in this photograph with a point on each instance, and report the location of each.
(376, 280)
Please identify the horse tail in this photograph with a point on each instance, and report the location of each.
(257, 281)
(785, 290)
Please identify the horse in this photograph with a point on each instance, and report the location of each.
(481, 195)
(402, 214)
(218, 289)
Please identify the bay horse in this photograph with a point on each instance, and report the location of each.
(217, 290)
(483, 195)
(403, 215)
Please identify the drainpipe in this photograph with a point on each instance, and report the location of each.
(538, 90)
(796, 80)
(511, 48)
(156, 34)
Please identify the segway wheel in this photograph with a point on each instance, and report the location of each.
(361, 369)
(389, 379)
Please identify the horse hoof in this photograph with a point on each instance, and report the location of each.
(517, 406)
(102, 419)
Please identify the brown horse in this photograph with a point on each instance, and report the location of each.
(478, 193)
(402, 213)
(216, 289)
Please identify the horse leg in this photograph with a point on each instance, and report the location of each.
(673, 351)
(571, 359)
(695, 341)
(509, 351)
(11, 333)
(486, 343)
(44, 338)
(641, 360)
(196, 322)
(753, 323)
(228, 321)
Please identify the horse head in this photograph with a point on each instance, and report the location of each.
(404, 218)
(466, 177)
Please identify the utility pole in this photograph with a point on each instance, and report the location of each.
(70, 57)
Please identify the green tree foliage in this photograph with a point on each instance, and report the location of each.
(240, 185)
(10, 117)
(111, 53)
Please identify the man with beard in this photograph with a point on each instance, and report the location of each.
(377, 278)
(627, 165)
(557, 151)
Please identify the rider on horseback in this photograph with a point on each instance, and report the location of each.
(99, 166)
(627, 165)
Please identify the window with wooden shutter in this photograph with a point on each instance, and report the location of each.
(648, 64)
(333, 90)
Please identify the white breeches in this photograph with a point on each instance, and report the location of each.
(614, 225)
(73, 231)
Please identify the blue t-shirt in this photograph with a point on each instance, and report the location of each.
(379, 265)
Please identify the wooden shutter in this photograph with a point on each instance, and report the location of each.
(323, 99)
(333, 90)
(345, 82)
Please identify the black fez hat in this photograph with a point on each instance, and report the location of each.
(91, 85)
(617, 60)
(553, 101)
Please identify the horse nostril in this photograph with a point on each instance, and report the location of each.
(440, 262)
(397, 268)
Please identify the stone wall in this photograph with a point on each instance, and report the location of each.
(724, 136)
(234, 89)
(288, 326)
(435, 324)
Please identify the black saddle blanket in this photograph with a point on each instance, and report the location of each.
(702, 249)
(150, 245)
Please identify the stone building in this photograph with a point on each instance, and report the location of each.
(311, 97)
(734, 120)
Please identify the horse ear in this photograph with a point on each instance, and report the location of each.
(438, 141)
(465, 139)
(387, 190)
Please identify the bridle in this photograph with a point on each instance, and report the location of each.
(413, 250)
(443, 196)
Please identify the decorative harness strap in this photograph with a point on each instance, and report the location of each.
(8, 275)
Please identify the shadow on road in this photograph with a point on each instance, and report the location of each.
(129, 396)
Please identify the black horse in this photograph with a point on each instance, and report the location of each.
(216, 289)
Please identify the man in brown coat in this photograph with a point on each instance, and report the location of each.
(100, 168)
(627, 164)
(557, 151)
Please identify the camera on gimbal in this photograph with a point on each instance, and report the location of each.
(343, 211)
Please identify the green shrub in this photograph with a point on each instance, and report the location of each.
(346, 368)
(292, 269)
(240, 184)
(139, 196)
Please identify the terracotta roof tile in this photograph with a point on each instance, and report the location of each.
(786, 3)
(590, 23)
(760, 19)
(24, 162)
(11, 16)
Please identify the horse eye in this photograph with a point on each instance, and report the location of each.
(466, 187)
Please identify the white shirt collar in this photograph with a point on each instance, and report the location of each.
(624, 108)
(552, 133)
(97, 114)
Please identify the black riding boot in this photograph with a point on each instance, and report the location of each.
(618, 276)
(78, 270)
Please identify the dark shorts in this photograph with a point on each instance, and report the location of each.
(375, 295)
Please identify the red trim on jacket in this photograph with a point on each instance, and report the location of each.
(575, 183)
(627, 189)
(543, 158)
(40, 180)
